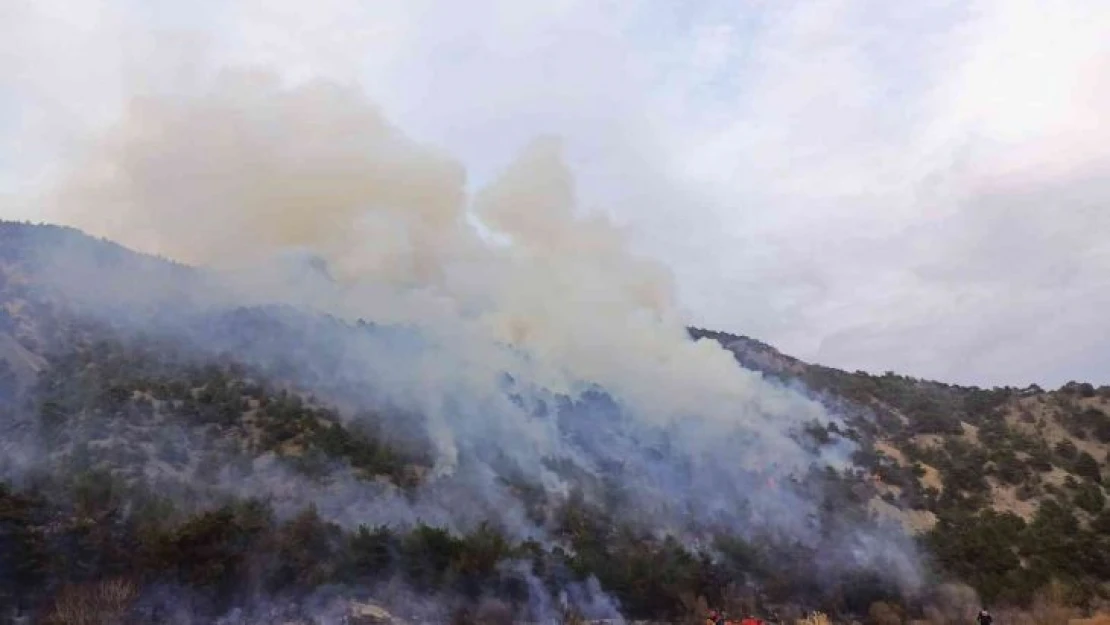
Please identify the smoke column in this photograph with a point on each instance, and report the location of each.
(537, 338)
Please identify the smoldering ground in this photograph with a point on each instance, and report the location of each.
(545, 350)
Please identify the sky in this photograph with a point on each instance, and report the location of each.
(920, 187)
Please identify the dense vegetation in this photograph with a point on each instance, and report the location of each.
(124, 418)
(130, 433)
(91, 516)
(231, 553)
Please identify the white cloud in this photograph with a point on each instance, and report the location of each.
(909, 186)
(920, 188)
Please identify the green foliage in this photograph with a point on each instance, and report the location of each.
(1041, 461)
(1101, 523)
(373, 552)
(1011, 470)
(308, 553)
(1087, 467)
(224, 553)
(1090, 498)
(114, 385)
(980, 549)
(210, 551)
(1007, 559)
(1093, 423)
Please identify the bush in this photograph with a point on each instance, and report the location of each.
(1087, 467)
(1066, 450)
(1090, 498)
(307, 552)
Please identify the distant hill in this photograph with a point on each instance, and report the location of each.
(203, 453)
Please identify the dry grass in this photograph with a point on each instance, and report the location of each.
(1050, 606)
(953, 604)
(913, 521)
(1005, 499)
(814, 618)
(957, 605)
(892, 452)
(99, 603)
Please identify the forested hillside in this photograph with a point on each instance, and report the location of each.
(163, 455)
(1004, 486)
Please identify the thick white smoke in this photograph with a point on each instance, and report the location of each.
(247, 176)
(248, 170)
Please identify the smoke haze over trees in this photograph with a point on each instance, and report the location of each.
(345, 374)
(210, 457)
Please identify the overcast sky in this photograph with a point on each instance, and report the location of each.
(918, 186)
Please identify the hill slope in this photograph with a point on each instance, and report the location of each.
(1001, 470)
(161, 430)
(1031, 442)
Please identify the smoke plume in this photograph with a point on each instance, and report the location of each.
(524, 333)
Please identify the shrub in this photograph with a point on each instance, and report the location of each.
(1090, 498)
(1066, 450)
(1087, 467)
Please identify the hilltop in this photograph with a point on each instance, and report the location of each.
(161, 433)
